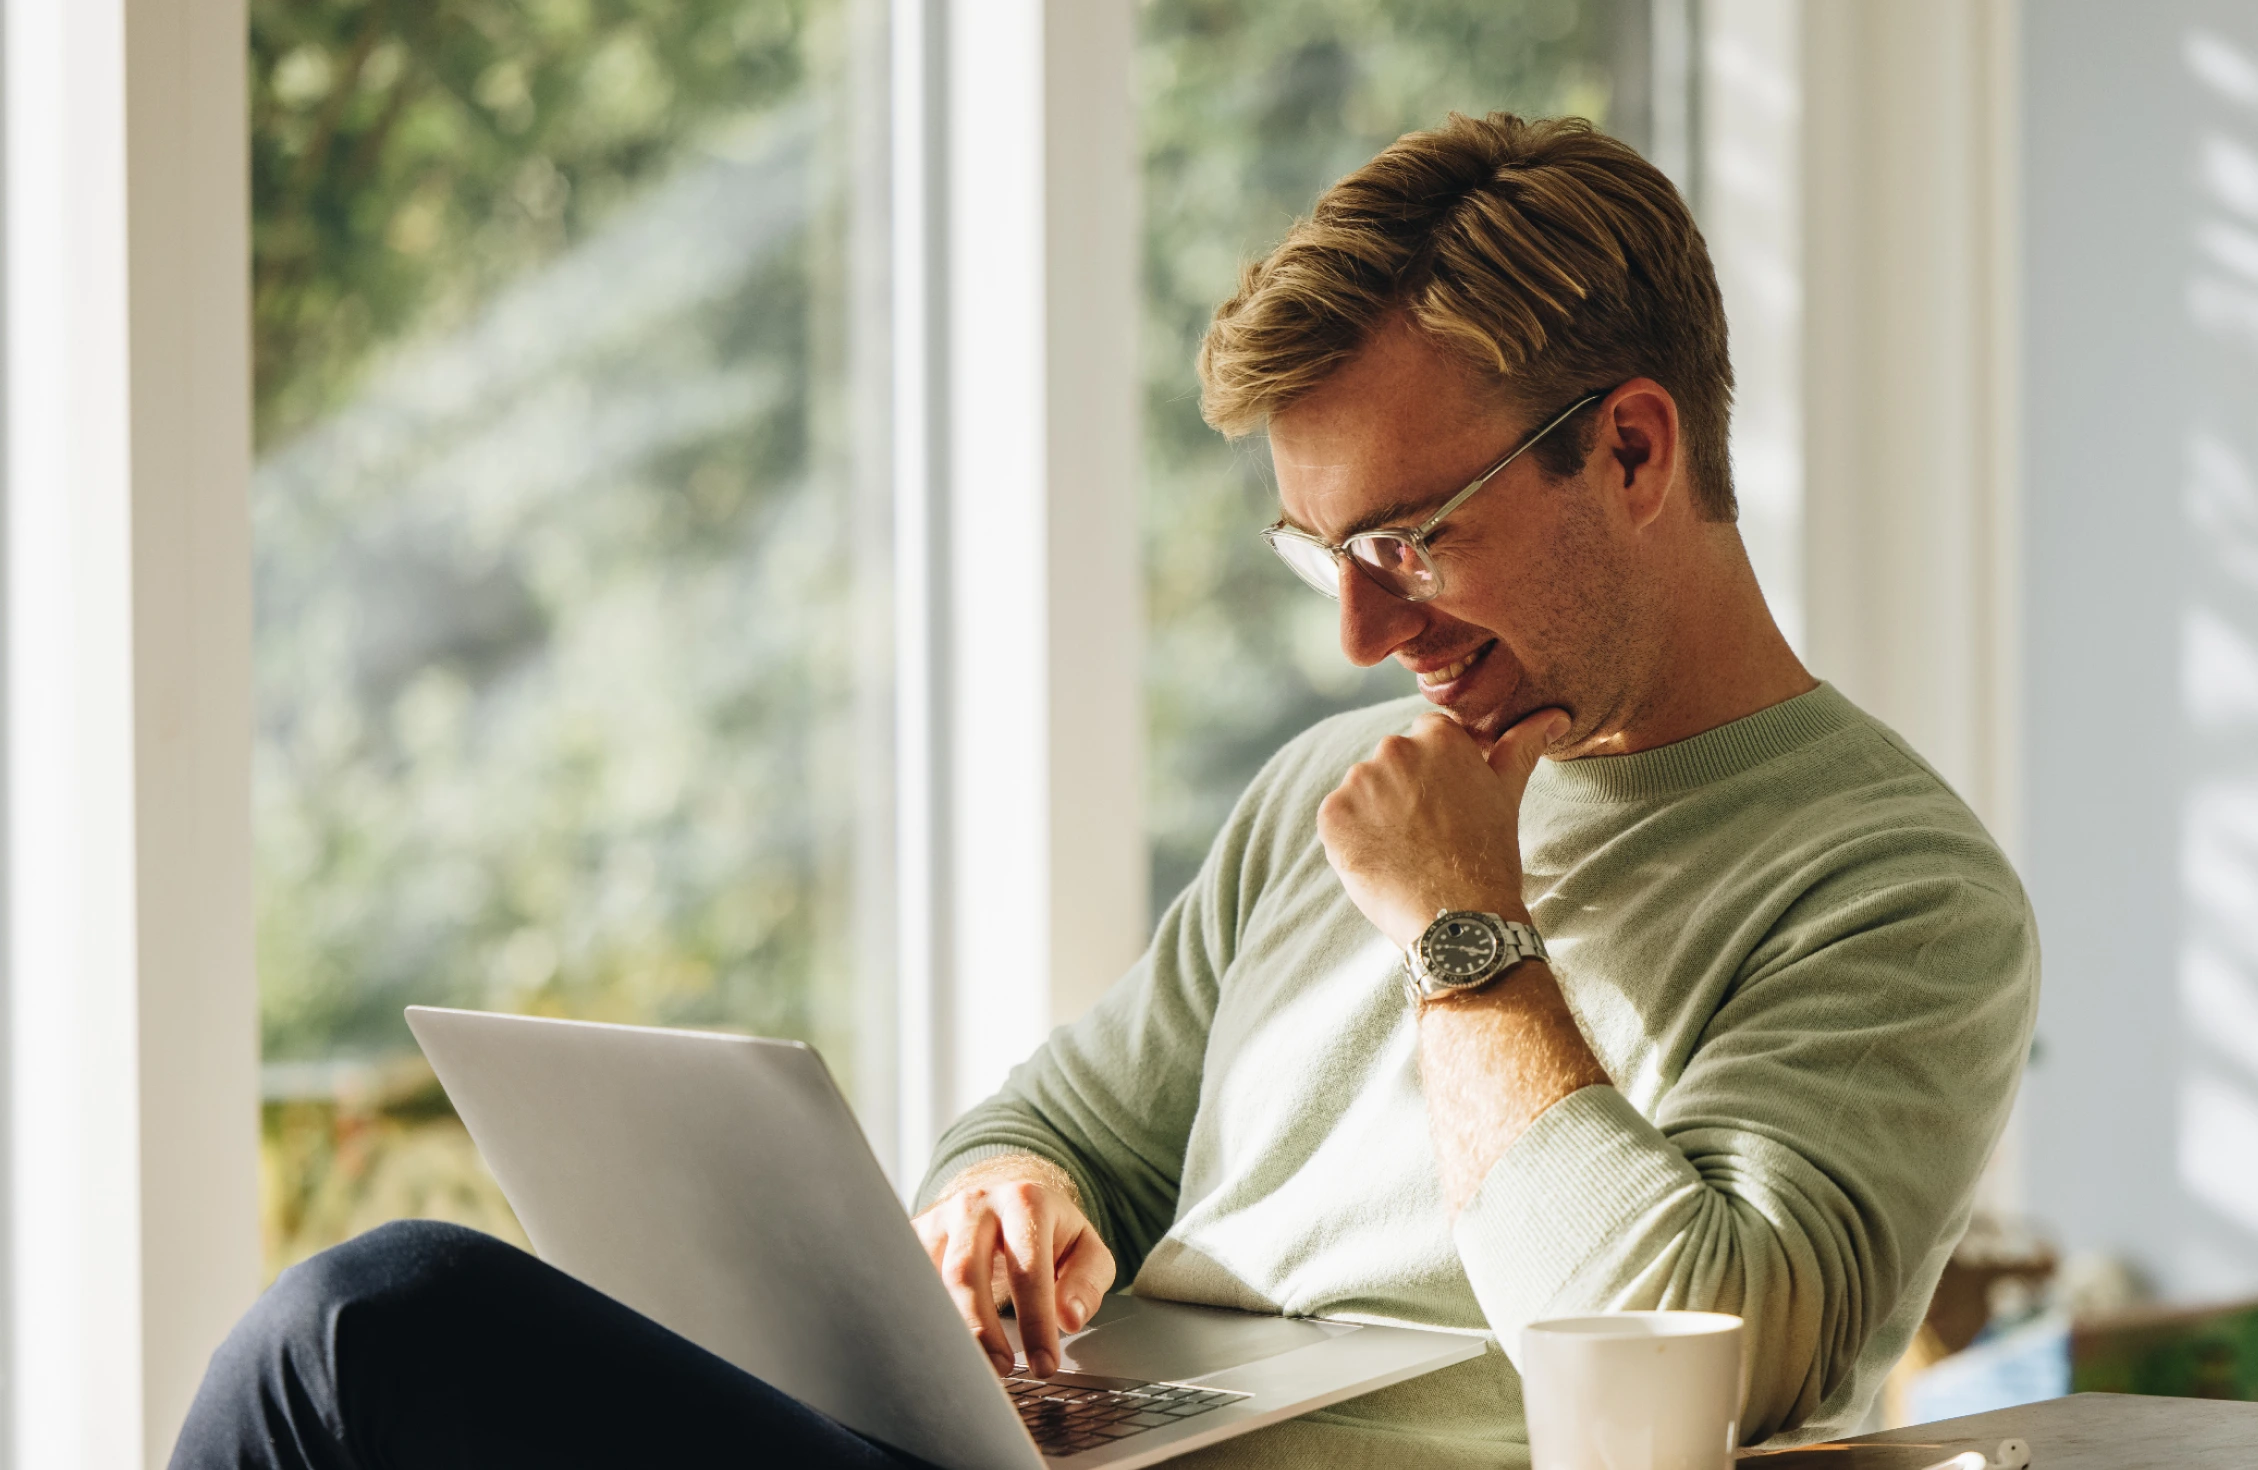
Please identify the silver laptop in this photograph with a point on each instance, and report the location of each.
(720, 1186)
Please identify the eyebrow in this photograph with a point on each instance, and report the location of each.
(1402, 513)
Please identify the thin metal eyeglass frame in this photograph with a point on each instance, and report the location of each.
(1415, 537)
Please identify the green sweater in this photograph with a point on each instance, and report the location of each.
(1810, 973)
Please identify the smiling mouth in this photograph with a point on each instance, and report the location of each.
(1431, 679)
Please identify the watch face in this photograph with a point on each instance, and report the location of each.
(1456, 947)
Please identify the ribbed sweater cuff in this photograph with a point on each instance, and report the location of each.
(942, 1172)
(1582, 1177)
(946, 1167)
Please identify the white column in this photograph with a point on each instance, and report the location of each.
(1910, 415)
(1911, 584)
(1751, 215)
(132, 1014)
(74, 1133)
(1047, 864)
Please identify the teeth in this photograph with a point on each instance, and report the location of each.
(1444, 675)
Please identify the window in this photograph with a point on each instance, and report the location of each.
(574, 693)
(571, 562)
(1249, 109)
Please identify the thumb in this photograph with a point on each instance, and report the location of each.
(1519, 749)
(1084, 1273)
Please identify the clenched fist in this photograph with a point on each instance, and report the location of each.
(1433, 821)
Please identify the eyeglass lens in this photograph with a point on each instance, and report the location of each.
(1396, 563)
(1311, 562)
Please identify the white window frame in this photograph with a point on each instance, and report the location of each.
(1022, 869)
(1911, 391)
(1911, 408)
(131, 1054)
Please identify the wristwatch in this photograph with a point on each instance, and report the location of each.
(1463, 950)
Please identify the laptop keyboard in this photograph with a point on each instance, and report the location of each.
(1073, 1412)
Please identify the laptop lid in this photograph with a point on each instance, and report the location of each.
(785, 1250)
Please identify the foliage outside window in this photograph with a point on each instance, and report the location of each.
(563, 701)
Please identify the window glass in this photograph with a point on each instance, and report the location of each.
(1249, 109)
(570, 584)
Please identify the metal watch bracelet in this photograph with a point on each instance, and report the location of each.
(1465, 950)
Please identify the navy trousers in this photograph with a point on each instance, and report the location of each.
(422, 1346)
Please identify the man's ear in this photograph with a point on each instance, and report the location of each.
(1638, 435)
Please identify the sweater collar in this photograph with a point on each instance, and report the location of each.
(1713, 755)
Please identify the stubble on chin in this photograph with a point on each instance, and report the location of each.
(1590, 642)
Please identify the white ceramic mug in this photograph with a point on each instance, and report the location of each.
(1633, 1391)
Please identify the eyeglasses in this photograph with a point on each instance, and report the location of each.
(1398, 560)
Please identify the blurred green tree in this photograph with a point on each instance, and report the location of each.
(557, 688)
(410, 156)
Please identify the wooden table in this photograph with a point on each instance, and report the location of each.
(2086, 1431)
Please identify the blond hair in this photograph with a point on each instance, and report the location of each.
(1550, 257)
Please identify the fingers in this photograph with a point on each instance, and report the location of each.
(1018, 1242)
(968, 1271)
(1085, 1273)
(1431, 730)
(1518, 750)
(1434, 724)
(1024, 1228)
(932, 1233)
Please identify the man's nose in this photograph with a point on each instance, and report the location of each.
(1374, 621)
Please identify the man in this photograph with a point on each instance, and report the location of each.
(1790, 980)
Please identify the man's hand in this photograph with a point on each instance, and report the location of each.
(1011, 1230)
(1431, 821)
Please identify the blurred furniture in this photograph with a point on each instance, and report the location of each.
(2086, 1431)
(1993, 1260)
(2208, 1352)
